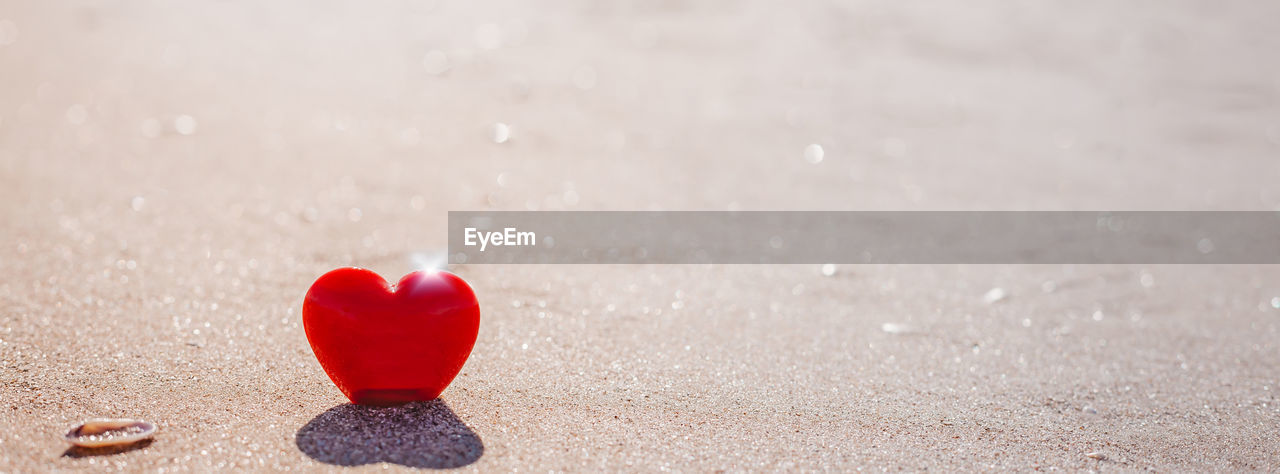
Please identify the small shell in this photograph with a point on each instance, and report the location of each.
(101, 432)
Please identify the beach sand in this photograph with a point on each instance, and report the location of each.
(173, 176)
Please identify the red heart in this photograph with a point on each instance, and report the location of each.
(386, 345)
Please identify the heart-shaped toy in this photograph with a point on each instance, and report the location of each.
(387, 345)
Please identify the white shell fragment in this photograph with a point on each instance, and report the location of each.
(995, 295)
(102, 432)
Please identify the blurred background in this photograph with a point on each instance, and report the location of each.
(173, 175)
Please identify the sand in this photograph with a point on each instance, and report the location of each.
(173, 176)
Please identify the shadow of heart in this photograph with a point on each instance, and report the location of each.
(419, 434)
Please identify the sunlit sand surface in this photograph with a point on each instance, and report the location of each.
(173, 176)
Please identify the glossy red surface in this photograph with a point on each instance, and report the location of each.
(385, 345)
